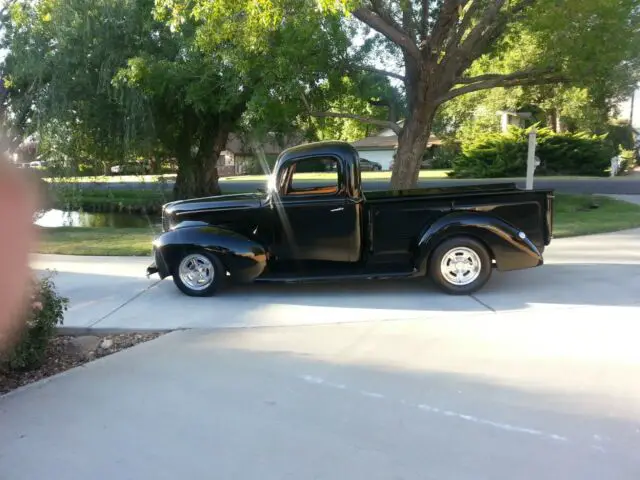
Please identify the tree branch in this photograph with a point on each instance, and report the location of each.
(445, 23)
(382, 72)
(389, 28)
(506, 81)
(510, 76)
(467, 18)
(424, 18)
(372, 121)
(491, 25)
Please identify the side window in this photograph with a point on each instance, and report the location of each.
(314, 176)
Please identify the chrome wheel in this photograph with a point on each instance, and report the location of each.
(196, 271)
(460, 266)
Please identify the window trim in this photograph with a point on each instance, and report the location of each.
(287, 178)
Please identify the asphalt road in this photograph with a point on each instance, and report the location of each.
(620, 186)
(535, 377)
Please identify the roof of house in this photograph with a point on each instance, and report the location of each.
(384, 142)
(270, 144)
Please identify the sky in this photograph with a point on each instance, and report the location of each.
(625, 110)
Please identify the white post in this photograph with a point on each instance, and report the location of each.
(615, 165)
(531, 158)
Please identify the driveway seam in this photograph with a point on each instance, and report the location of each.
(485, 305)
(119, 307)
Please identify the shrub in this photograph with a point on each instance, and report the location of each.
(505, 155)
(627, 160)
(442, 157)
(45, 313)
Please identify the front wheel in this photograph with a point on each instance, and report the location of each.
(460, 266)
(198, 274)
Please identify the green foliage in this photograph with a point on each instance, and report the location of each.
(46, 312)
(628, 160)
(168, 79)
(597, 55)
(442, 157)
(621, 136)
(505, 155)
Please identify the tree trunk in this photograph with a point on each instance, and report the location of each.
(196, 178)
(198, 174)
(412, 143)
(552, 120)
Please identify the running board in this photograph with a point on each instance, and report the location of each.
(336, 277)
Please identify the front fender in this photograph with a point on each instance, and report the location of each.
(245, 259)
(509, 246)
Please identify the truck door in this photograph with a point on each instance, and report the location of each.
(314, 217)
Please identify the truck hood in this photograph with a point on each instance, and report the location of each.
(217, 203)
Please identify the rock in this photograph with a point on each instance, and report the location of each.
(85, 344)
(106, 344)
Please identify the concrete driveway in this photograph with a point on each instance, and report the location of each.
(595, 274)
(534, 378)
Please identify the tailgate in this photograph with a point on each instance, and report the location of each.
(549, 217)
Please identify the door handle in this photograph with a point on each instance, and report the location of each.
(339, 209)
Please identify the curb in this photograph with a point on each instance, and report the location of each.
(98, 332)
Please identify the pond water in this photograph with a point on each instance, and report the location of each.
(62, 218)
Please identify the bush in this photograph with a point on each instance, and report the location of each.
(505, 155)
(621, 135)
(45, 313)
(442, 157)
(627, 160)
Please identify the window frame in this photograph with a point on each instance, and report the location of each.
(286, 180)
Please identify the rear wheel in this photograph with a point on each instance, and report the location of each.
(198, 274)
(460, 266)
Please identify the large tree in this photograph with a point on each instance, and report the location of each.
(436, 45)
(440, 41)
(121, 78)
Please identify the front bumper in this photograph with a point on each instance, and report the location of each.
(158, 265)
(151, 269)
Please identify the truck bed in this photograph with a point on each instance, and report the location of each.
(396, 219)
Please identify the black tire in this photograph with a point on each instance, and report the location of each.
(214, 266)
(460, 247)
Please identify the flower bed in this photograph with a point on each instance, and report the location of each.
(39, 352)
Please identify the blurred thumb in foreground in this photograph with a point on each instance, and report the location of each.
(18, 202)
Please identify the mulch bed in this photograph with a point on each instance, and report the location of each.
(65, 352)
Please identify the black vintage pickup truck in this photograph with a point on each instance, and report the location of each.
(304, 229)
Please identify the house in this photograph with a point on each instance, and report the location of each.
(511, 117)
(239, 157)
(382, 147)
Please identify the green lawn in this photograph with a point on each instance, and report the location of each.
(586, 214)
(96, 241)
(574, 215)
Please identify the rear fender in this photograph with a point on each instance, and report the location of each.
(508, 246)
(245, 259)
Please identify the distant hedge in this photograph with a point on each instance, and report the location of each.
(505, 155)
